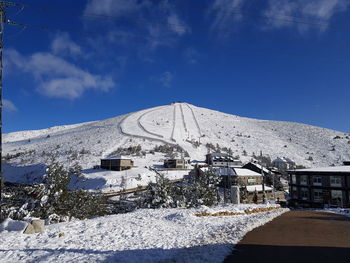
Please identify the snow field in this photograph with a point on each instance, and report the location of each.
(162, 235)
(87, 143)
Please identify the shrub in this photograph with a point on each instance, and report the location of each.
(195, 190)
(52, 197)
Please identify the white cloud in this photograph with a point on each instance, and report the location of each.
(114, 7)
(159, 20)
(9, 106)
(226, 13)
(57, 77)
(177, 25)
(165, 79)
(62, 44)
(301, 14)
(321, 11)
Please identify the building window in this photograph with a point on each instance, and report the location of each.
(294, 179)
(317, 180)
(336, 197)
(294, 192)
(318, 195)
(303, 179)
(251, 181)
(304, 193)
(335, 180)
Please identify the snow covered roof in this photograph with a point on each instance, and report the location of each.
(116, 157)
(282, 160)
(200, 162)
(245, 172)
(232, 171)
(259, 166)
(229, 158)
(331, 169)
(258, 188)
(218, 154)
(177, 159)
(224, 171)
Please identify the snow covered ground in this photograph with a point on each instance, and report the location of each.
(179, 123)
(162, 235)
(339, 211)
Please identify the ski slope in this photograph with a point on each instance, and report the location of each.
(179, 124)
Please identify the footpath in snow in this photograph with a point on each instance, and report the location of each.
(146, 235)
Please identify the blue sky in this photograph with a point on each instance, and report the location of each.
(275, 59)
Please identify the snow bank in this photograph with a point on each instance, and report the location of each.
(339, 211)
(162, 235)
(9, 225)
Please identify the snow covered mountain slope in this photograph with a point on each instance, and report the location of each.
(192, 128)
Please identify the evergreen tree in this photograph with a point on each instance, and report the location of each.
(194, 191)
(202, 189)
(54, 197)
(160, 194)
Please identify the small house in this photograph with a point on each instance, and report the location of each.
(283, 163)
(244, 178)
(176, 163)
(116, 163)
(258, 168)
(222, 160)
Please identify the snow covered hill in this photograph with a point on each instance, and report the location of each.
(193, 128)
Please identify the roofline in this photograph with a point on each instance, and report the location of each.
(310, 171)
(116, 159)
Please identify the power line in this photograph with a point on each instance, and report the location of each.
(172, 24)
(259, 51)
(280, 18)
(144, 21)
(157, 41)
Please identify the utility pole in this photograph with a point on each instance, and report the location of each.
(3, 6)
(2, 21)
(263, 181)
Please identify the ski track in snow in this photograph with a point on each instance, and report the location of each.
(180, 133)
(143, 127)
(183, 118)
(195, 120)
(174, 120)
(152, 139)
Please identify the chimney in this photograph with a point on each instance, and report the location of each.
(347, 163)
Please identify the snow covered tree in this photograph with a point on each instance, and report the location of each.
(75, 169)
(81, 204)
(54, 186)
(194, 191)
(202, 189)
(54, 197)
(160, 194)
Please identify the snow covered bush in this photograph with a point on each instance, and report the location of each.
(16, 201)
(194, 191)
(131, 150)
(56, 198)
(52, 197)
(160, 194)
(171, 151)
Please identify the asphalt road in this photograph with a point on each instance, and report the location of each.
(297, 236)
